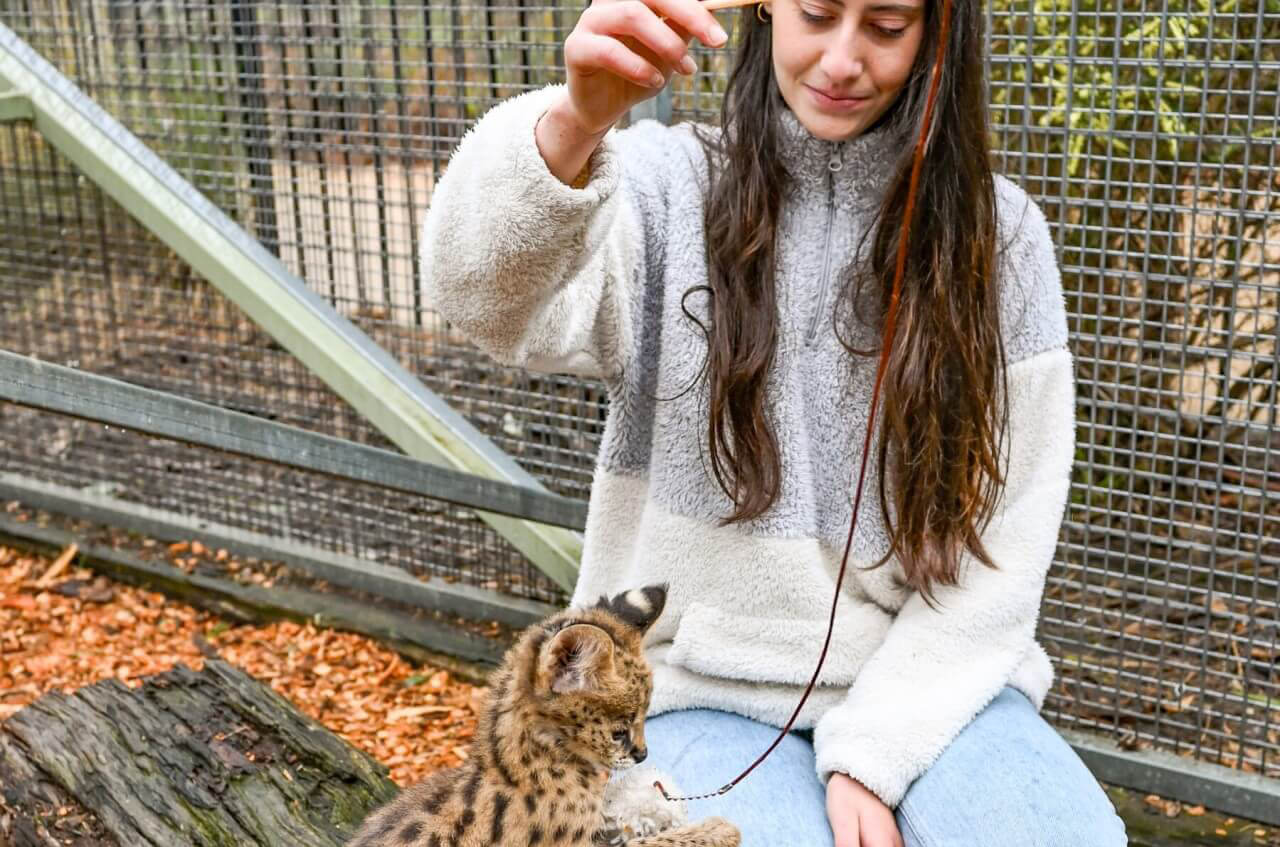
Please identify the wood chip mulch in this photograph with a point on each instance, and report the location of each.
(62, 627)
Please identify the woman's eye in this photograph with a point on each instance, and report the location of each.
(890, 32)
(813, 19)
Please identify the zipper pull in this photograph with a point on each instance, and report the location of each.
(835, 163)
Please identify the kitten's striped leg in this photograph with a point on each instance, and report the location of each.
(712, 832)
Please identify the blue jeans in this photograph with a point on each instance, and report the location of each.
(1007, 779)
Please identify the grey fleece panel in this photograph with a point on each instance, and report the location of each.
(660, 172)
(1033, 312)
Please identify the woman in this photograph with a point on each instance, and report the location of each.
(729, 285)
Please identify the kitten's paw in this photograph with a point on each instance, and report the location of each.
(720, 832)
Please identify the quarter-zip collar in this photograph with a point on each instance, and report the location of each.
(857, 169)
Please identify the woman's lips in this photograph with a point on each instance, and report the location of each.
(832, 104)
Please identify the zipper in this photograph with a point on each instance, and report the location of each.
(834, 164)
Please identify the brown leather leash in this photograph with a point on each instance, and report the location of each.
(891, 320)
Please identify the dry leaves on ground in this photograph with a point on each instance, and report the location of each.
(62, 628)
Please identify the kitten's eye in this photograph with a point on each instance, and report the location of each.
(621, 736)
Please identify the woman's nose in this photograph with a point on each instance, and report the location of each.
(843, 61)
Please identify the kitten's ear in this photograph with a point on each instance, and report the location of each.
(577, 658)
(639, 607)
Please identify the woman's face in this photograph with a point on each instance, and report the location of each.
(860, 51)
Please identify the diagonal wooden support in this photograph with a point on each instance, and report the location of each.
(15, 106)
(366, 376)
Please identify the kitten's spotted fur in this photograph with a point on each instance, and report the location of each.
(567, 705)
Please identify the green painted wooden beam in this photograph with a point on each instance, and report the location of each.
(363, 374)
(15, 107)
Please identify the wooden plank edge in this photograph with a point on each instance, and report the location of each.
(1244, 795)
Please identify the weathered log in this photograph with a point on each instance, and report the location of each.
(217, 758)
(190, 758)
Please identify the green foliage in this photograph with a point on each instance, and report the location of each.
(1115, 78)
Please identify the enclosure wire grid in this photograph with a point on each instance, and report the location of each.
(1147, 133)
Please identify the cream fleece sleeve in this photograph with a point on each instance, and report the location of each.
(534, 272)
(936, 670)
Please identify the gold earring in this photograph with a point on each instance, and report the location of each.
(760, 14)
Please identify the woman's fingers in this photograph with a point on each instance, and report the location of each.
(664, 26)
(663, 44)
(858, 818)
(879, 832)
(848, 835)
(692, 20)
(846, 828)
(587, 52)
(637, 49)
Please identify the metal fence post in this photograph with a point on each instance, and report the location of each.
(257, 133)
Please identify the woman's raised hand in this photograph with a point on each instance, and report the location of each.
(622, 52)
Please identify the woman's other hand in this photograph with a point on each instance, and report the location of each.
(621, 53)
(858, 818)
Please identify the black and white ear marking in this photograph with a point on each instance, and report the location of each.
(639, 607)
(577, 658)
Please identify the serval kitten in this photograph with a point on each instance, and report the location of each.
(566, 706)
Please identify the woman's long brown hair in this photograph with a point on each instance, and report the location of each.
(944, 403)
(917, 159)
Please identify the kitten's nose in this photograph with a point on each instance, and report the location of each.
(639, 754)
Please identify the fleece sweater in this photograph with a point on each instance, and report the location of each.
(590, 280)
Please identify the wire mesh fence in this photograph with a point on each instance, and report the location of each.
(1148, 133)
(82, 284)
